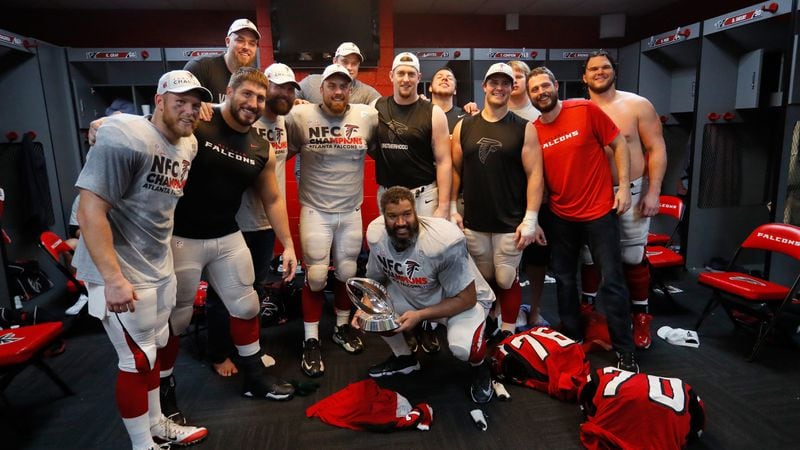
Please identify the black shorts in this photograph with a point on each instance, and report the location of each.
(535, 254)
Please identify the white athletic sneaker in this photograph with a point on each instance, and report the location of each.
(183, 435)
(77, 306)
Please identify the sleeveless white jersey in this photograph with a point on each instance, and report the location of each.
(436, 267)
(332, 149)
(251, 215)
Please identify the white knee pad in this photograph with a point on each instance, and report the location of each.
(461, 353)
(244, 307)
(317, 277)
(345, 269)
(586, 255)
(505, 276)
(633, 254)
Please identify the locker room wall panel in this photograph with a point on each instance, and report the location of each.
(628, 73)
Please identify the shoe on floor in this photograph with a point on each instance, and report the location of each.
(311, 363)
(641, 330)
(428, 338)
(404, 364)
(257, 383)
(169, 404)
(480, 389)
(627, 361)
(167, 431)
(347, 337)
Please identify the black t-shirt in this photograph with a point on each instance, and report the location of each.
(227, 163)
(213, 74)
(453, 116)
(492, 175)
(405, 154)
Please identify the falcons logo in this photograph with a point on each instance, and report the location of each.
(279, 134)
(748, 280)
(9, 338)
(349, 129)
(487, 146)
(411, 267)
(398, 128)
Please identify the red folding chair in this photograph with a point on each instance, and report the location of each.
(661, 257)
(56, 247)
(24, 346)
(752, 302)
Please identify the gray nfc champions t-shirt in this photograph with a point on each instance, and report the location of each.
(436, 267)
(136, 170)
(251, 215)
(333, 150)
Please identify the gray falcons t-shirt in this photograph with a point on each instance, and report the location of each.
(333, 149)
(436, 267)
(138, 172)
(251, 215)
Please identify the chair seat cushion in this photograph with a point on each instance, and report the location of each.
(657, 239)
(18, 345)
(743, 285)
(660, 257)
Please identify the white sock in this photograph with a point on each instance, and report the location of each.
(165, 373)
(398, 344)
(311, 330)
(139, 431)
(249, 349)
(342, 317)
(433, 324)
(154, 406)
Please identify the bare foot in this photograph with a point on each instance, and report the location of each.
(226, 368)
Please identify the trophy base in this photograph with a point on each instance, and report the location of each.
(379, 324)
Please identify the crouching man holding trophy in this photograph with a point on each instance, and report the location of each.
(419, 269)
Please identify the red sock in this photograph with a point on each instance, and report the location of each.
(510, 300)
(244, 331)
(590, 279)
(638, 278)
(477, 350)
(341, 299)
(131, 392)
(169, 354)
(312, 304)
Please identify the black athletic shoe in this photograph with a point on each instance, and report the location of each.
(257, 383)
(169, 404)
(627, 361)
(347, 337)
(404, 364)
(312, 359)
(411, 340)
(480, 389)
(497, 338)
(427, 338)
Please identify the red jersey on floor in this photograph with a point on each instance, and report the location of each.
(630, 411)
(576, 169)
(364, 405)
(543, 359)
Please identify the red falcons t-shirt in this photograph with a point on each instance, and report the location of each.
(575, 166)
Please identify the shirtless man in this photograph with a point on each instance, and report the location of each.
(637, 120)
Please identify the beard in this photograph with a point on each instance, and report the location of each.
(236, 110)
(336, 106)
(279, 105)
(402, 243)
(549, 107)
(173, 123)
(443, 91)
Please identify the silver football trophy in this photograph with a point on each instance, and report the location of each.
(371, 298)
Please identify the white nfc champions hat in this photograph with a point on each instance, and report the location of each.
(348, 48)
(406, 59)
(243, 24)
(503, 68)
(281, 74)
(334, 69)
(180, 81)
